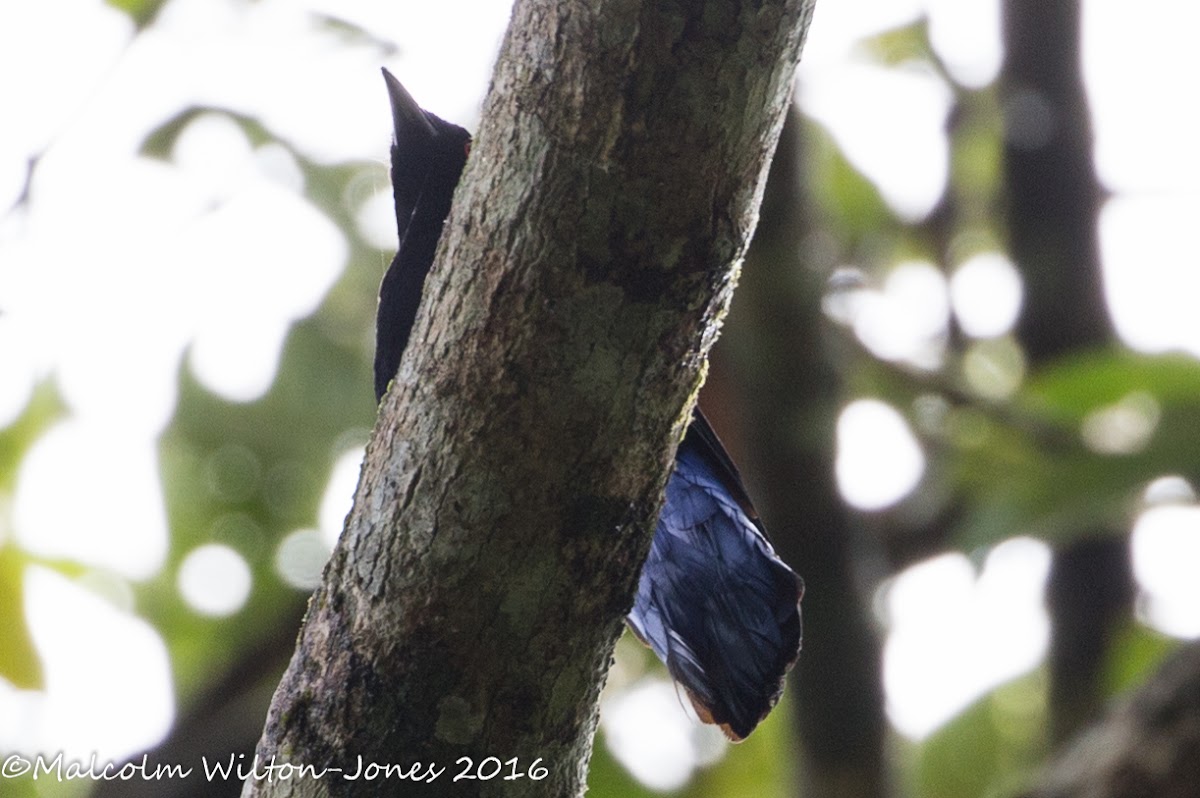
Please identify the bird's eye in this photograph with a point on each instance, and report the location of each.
(467, 148)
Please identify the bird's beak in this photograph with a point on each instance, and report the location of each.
(407, 117)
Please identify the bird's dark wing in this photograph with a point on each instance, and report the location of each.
(703, 438)
(714, 602)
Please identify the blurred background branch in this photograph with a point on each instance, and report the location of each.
(1053, 204)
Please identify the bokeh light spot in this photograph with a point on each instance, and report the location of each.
(300, 558)
(878, 458)
(215, 580)
(1166, 547)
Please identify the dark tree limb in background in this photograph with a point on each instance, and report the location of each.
(1053, 201)
(1089, 593)
(789, 394)
(1149, 745)
(1053, 192)
(507, 497)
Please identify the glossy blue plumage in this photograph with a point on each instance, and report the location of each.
(714, 602)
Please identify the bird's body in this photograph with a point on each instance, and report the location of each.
(714, 602)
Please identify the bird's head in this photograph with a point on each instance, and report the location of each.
(428, 154)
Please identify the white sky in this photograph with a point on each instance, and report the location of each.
(204, 242)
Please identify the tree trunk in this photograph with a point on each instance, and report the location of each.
(1053, 201)
(1053, 193)
(509, 490)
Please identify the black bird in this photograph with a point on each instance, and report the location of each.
(714, 602)
(428, 155)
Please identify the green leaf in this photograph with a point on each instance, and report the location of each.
(1135, 655)
(352, 34)
(143, 12)
(19, 662)
(44, 408)
(1070, 388)
(900, 45)
(1077, 445)
(989, 749)
(849, 202)
(160, 141)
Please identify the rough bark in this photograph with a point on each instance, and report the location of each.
(789, 399)
(1053, 201)
(507, 497)
(1147, 746)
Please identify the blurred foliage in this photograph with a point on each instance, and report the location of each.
(19, 663)
(756, 767)
(1072, 449)
(142, 12)
(995, 746)
(1144, 417)
(234, 475)
(160, 143)
(248, 474)
(898, 46)
(848, 202)
(243, 474)
(1001, 736)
